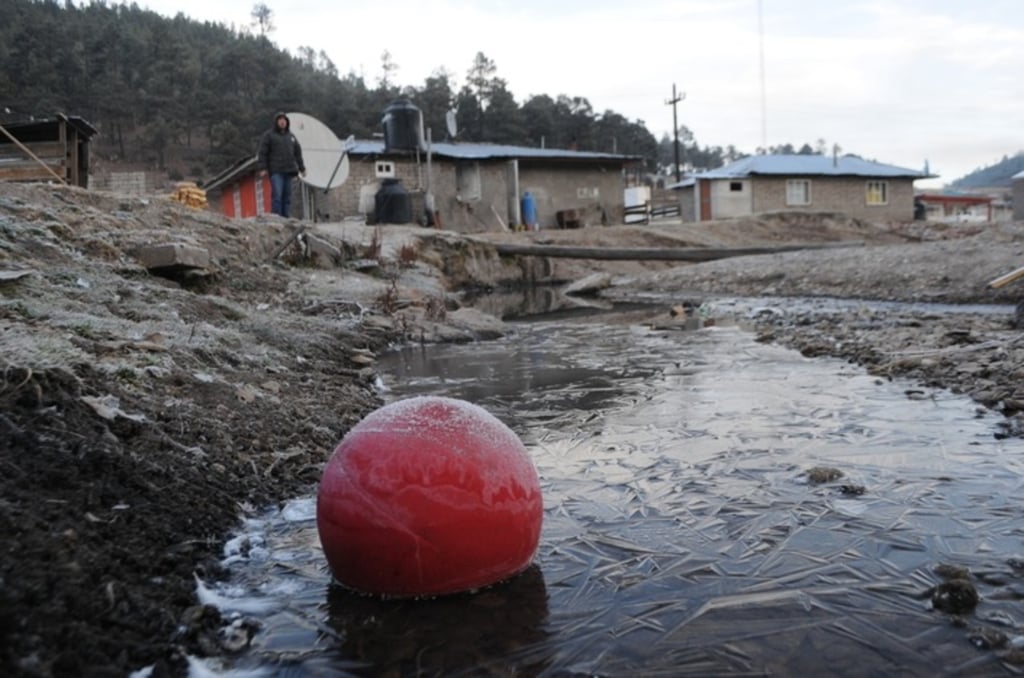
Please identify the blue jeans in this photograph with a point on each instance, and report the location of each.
(280, 193)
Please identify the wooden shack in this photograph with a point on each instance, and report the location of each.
(46, 150)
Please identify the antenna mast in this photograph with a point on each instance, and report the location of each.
(764, 96)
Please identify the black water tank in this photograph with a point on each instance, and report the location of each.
(403, 127)
(392, 204)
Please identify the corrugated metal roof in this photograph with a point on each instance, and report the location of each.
(243, 166)
(31, 126)
(474, 151)
(810, 165)
(685, 183)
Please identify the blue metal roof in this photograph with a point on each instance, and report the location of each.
(685, 183)
(809, 165)
(475, 151)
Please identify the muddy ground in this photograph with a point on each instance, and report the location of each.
(143, 411)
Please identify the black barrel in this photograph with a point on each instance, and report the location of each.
(392, 203)
(403, 127)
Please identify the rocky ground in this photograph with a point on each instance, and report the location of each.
(142, 411)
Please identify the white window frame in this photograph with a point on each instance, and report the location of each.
(798, 192)
(876, 193)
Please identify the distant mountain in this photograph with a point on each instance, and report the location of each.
(993, 176)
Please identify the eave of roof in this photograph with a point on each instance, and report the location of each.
(810, 165)
(81, 124)
(475, 151)
(243, 166)
(684, 183)
(954, 198)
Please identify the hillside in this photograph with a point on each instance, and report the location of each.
(994, 176)
(191, 97)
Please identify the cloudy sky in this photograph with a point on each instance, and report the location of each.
(903, 82)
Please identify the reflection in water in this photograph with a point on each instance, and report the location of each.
(681, 535)
(530, 301)
(479, 633)
(539, 371)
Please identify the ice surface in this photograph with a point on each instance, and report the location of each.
(681, 536)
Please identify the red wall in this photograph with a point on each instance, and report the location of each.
(245, 189)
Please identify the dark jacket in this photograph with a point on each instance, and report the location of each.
(279, 151)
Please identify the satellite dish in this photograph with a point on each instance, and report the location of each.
(325, 156)
(449, 121)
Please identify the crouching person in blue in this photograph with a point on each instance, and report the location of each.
(280, 156)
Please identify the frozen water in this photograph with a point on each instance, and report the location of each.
(682, 535)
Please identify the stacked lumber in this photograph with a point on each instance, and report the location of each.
(187, 193)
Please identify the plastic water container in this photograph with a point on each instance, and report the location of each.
(529, 209)
(392, 203)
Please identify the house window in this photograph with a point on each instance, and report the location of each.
(798, 192)
(736, 186)
(878, 192)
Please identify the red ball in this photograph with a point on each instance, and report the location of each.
(428, 496)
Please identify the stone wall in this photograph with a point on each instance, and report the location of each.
(128, 182)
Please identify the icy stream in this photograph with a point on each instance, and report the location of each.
(682, 535)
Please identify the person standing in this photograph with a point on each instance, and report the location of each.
(280, 156)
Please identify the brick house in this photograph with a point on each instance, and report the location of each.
(815, 183)
(476, 187)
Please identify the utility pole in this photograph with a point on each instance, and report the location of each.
(676, 98)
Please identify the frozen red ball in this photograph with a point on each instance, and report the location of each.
(428, 496)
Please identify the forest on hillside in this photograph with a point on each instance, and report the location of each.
(997, 175)
(193, 97)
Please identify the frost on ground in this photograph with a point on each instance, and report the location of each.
(141, 413)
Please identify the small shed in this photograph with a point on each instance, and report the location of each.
(239, 191)
(947, 206)
(46, 150)
(1018, 196)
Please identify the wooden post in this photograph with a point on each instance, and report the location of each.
(1008, 278)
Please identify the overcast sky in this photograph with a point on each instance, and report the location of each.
(898, 81)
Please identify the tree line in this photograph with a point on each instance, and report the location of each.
(193, 97)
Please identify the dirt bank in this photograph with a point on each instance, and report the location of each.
(142, 413)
